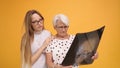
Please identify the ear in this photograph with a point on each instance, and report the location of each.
(68, 26)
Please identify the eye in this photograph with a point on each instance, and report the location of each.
(37, 21)
(33, 21)
(65, 26)
(62, 27)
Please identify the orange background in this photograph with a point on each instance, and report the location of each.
(84, 15)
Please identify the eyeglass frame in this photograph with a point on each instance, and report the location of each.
(37, 22)
(61, 27)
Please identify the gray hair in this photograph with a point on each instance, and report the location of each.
(61, 17)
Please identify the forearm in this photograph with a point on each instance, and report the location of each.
(35, 57)
(49, 60)
(52, 65)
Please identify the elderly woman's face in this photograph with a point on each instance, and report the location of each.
(61, 28)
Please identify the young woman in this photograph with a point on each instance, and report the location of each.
(34, 41)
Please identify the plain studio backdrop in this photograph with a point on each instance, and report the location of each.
(84, 16)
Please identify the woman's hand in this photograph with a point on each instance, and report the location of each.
(67, 66)
(95, 56)
(48, 40)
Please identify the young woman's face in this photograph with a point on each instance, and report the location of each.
(61, 28)
(37, 22)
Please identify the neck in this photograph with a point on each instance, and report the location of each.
(37, 32)
(62, 37)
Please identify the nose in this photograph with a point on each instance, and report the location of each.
(63, 29)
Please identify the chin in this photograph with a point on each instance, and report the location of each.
(63, 35)
(39, 29)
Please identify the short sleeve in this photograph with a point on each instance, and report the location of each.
(48, 49)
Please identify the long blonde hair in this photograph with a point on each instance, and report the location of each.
(27, 38)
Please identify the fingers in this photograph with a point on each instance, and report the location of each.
(95, 56)
(49, 39)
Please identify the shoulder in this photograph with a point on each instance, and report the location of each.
(72, 36)
(46, 31)
(51, 37)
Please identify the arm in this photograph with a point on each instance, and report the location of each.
(50, 63)
(35, 57)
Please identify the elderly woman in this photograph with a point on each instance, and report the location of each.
(59, 46)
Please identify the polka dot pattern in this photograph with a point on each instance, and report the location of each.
(59, 48)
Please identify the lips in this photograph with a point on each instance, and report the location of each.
(39, 26)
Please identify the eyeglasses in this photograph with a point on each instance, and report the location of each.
(36, 22)
(61, 27)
